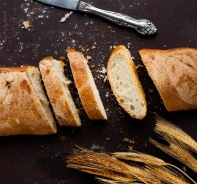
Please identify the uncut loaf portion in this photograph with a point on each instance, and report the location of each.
(125, 83)
(24, 107)
(85, 84)
(174, 73)
(57, 88)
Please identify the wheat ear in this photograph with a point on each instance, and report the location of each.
(108, 166)
(166, 175)
(178, 152)
(166, 128)
(139, 157)
(148, 160)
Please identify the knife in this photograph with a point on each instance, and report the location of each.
(143, 26)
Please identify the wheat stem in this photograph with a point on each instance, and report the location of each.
(178, 152)
(139, 157)
(182, 172)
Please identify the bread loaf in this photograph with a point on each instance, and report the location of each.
(86, 86)
(56, 85)
(125, 84)
(24, 107)
(174, 73)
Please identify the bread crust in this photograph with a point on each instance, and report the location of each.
(174, 73)
(59, 99)
(133, 72)
(83, 78)
(21, 110)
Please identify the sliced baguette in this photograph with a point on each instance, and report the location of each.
(87, 90)
(56, 85)
(174, 73)
(125, 84)
(24, 107)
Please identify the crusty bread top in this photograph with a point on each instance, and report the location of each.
(20, 108)
(86, 86)
(125, 84)
(174, 73)
(56, 85)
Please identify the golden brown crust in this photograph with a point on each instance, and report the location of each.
(88, 95)
(88, 98)
(174, 73)
(58, 97)
(20, 109)
(78, 67)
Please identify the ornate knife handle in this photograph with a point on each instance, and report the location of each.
(143, 26)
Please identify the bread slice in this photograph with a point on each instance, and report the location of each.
(174, 73)
(86, 86)
(56, 85)
(24, 107)
(125, 84)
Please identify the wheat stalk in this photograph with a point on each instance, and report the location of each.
(180, 144)
(178, 152)
(108, 166)
(112, 170)
(108, 181)
(166, 175)
(115, 176)
(166, 128)
(147, 159)
(139, 157)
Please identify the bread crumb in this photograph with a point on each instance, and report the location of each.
(129, 45)
(92, 67)
(89, 57)
(105, 79)
(94, 46)
(107, 94)
(138, 66)
(63, 138)
(27, 24)
(66, 16)
(62, 58)
(25, 9)
(103, 74)
(126, 139)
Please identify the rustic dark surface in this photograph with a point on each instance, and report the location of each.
(40, 159)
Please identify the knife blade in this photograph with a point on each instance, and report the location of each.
(142, 26)
(68, 4)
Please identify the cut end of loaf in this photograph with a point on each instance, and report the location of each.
(22, 110)
(173, 72)
(125, 84)
(56, 85)
(75, 120)
(34, 76)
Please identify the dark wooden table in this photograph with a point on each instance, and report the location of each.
(40, 159)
